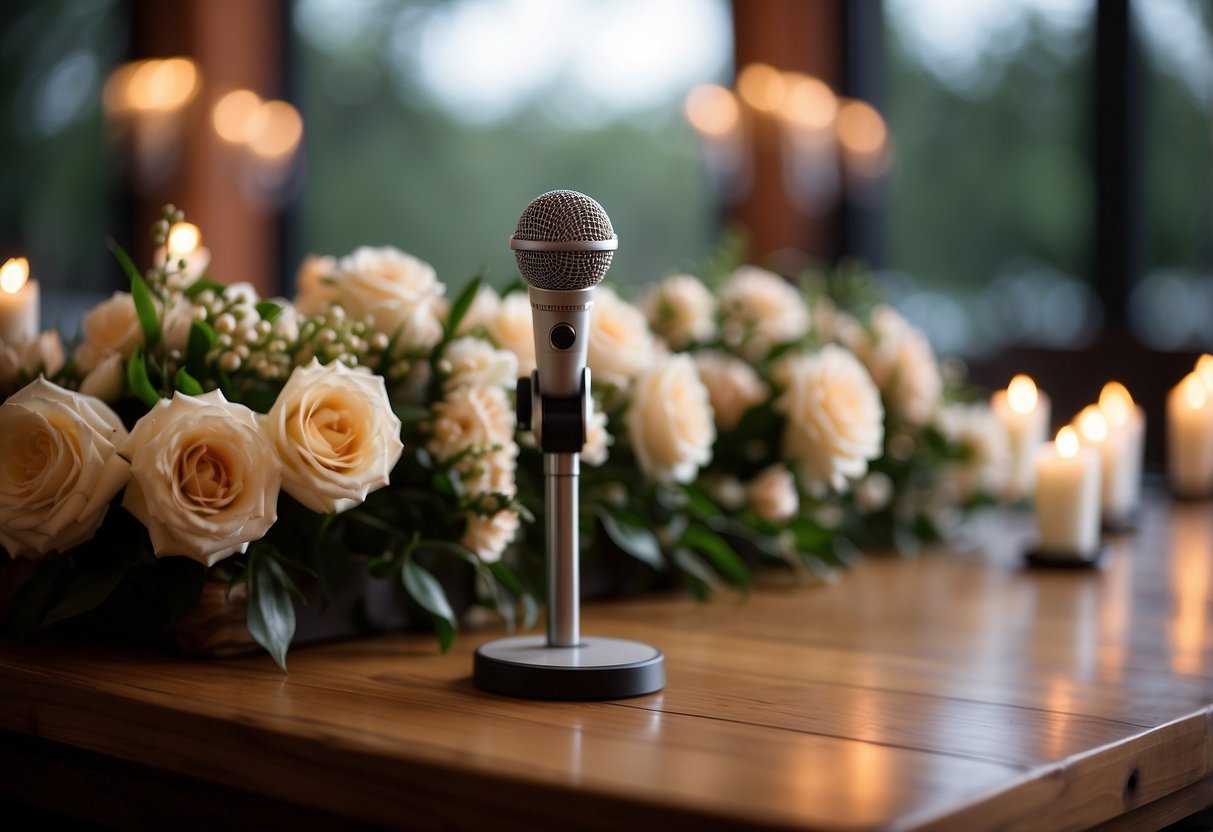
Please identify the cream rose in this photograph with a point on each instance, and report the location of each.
(620, 344)
(488, 536)
(475, 419)
(512, 329)
(772, 494)
(761, 310)
(491, 472)
(24, 360)
(315, 289)
(335, 434)
(204, 477)
(901, 362)
(178, 318)
(670, 421)
(835, 421)
(59, 468)
(474, 362)
(485, 306)
(111, 326)
(398, 292)
(597, 439)
(107, 379)
(986, 468)
(681, 310)
(733, 386)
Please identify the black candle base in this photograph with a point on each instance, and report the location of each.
(1065, 560)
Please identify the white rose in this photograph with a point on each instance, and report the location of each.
(512, 329)
(670, 421)
(488, 536)
(474, 362)
(901, 362)
(986, 468)
(471, 419)
(733, 386)
(873, 492)
(484, 308)
(336, 435)
(178, 318)
(204, 477)
(491, 472)
(315, 291)
(682, 310)
(835, 421)
(760, 311)
(597, 439)
(22, 360)
(398, 292)
(61, 468)
(620, 345)
(772, 494)
(111, 326)
(107, 379)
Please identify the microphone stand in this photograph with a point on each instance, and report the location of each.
(564, 665)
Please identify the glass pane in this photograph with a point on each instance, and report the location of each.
(1173, 305)
(990, 193)
(431, 125)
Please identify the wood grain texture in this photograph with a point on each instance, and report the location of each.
(952, 691)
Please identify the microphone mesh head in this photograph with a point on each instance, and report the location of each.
(563, 216)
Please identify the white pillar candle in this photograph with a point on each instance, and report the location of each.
(1024, 413)
(1125, 455)
(1067, 497)
(19, 314)
(1190, 438)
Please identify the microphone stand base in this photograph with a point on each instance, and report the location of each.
(598, 668)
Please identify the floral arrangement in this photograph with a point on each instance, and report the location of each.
(198, 433)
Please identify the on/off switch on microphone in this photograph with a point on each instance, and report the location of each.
(562, 336)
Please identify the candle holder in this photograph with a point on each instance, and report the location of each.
(1037, 558)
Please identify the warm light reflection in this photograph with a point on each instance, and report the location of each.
(1194, 392)
(861, 130)
(1022, 394)
(1092, 424)
(13, 275)
(808, 102)
(155, 85)
(275, 130)
(1204, 369)
(1190, 550)
(183, 238)
(712, 110)
(761, 86)
(1116, 403)
(1067, 442)
(233, 113)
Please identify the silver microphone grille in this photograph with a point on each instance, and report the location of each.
(563, 217)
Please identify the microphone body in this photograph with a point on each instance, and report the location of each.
(561, 322)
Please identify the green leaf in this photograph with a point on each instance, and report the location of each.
(271, 615)
(268, 310)
(201, 341)
(140, 384)
(721, 555)
(508, 579)
(201, 285)
(410, 414)
(145, 304)
(186, 383)
(24, 614)
(634, 539)
(460, 308)
(696, 568)
(89, 588)
(424, 588)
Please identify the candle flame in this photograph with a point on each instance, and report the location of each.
(712, 110)
(1194, 392)
(183, 238)
(761, 86)
(14, 274)
(1092, 424)
(861, 130)
(808, 103)
(1022, 394)
(1067, 442)
(1115, 403)
(233, 113)
(275, 130)
(1204, 369)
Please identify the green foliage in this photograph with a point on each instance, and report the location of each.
(271, 614)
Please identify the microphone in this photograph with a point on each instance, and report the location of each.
(563, 244)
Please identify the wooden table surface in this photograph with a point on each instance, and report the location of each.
(955, 690)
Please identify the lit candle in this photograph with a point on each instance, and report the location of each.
(1024, 413)
(18, 302)
(1123, 454)
(1190, 438)
(1067, 498)
(184, 243)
